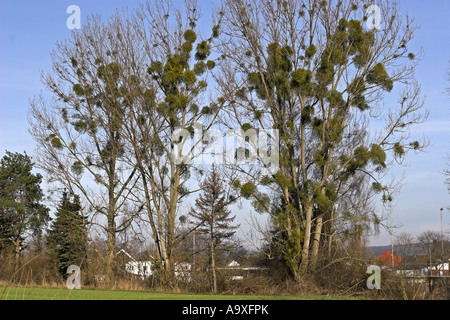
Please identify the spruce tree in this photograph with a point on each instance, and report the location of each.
(66, 236)
(213, 218)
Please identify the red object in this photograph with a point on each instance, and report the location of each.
(386, 258)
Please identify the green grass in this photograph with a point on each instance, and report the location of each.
(39, 293)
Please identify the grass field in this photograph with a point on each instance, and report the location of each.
(39, 293)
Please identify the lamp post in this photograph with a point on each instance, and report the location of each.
(392, 235)
(442, 239)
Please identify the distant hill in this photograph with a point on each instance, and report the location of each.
(378, 250)
(414, 249)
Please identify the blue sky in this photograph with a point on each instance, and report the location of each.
(30, 28)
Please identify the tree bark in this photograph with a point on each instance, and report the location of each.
(213, 267)
(316, 242)
(304, 264)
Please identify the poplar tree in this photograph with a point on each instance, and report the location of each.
(120, 90)
(313, 70)
(172, 99)
(79, 125)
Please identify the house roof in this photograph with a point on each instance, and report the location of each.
(234, 263)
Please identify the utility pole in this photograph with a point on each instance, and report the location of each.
(392, 235)
(194, 249)
(442, 239)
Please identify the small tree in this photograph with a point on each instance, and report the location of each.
(21, 210)
(430, 241)
(67, 236)
(404, 243)
(213, 218)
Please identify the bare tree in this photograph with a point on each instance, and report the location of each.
(120, 91)
(177, 66)
(405, 244)
(430, 241)
(79, 126)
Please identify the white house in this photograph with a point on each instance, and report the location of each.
(139, 268)
(144, 269)
(440, 270)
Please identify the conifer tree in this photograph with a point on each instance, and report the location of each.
(67, 235)
(22, 212)
(213, 218)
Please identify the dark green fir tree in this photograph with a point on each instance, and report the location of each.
(66, 237)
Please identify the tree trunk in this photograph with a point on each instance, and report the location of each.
(111, 234)
(167, 267)
(304, 264)
(16, 243)
(213, 268)
(316, 242)
(357, 235)
(330, 232)
(110, 248)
